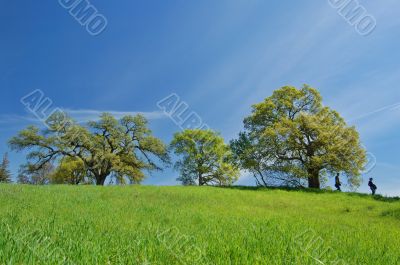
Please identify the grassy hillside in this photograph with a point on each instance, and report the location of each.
(180, 225)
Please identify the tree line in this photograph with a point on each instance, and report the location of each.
(289, 139)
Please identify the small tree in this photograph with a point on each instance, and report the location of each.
(291, 138)
(206, 159)
(5, 174)
(70, 171)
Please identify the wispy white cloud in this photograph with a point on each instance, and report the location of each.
(387, 108)
(375, 124)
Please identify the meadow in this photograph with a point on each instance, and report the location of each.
(194, 225)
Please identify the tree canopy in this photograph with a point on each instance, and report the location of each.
(292, 139)
(123, 148)
(205, 158)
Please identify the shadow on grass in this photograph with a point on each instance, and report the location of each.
(317, 191)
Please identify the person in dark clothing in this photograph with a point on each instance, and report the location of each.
(337, 182)
(372, 186)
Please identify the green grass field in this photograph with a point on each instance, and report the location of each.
(192, 225)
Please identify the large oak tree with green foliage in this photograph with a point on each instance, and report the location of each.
(292, 139)
(123, 148)
(205, 158)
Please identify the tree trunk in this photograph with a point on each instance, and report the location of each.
(200, 180)
(313, 179)
(100, 180)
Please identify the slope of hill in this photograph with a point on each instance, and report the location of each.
(192, 225)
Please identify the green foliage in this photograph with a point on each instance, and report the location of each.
(71, 171)
(206, 159)
(194, 225)
(291, 137)
(123, 148)
(5, 174)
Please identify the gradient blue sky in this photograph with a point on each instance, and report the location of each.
(218, 56)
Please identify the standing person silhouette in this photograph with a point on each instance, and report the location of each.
(337, 182)
(372, 186)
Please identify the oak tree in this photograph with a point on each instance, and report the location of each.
(205, 159)
(125, 148)
(292, 139)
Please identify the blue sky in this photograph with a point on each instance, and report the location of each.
(219, 56)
